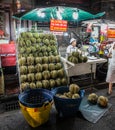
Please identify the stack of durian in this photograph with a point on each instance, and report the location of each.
(39, 61)
(77, 57)
(100, 100)
(73, 92)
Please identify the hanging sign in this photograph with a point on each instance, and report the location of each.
(111, 33)
(58, 25)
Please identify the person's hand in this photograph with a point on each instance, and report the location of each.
(109, 55)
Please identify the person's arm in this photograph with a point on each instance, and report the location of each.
(109, 55)
(67, 51)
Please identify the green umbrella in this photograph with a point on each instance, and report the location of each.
(57, 12)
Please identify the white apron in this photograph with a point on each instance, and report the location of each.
(111, 69)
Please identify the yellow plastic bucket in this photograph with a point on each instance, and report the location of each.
(34, 111)
(36, 116)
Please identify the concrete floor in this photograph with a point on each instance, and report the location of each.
(14, 120)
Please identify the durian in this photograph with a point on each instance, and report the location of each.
(31, 77)
(31, 69)
(93, 98)
(38, 76)
(74, 88)
(102, 101)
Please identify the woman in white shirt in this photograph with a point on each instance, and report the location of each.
(72, 47)
(111, 68)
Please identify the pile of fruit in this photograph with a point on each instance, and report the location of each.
(39, 61)
(77, 57)
(73, 92)
(100, 100)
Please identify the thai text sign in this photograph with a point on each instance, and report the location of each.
(58, 25)
(111, 33)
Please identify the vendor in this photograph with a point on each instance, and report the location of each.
(72, 47)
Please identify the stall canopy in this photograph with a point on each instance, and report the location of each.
(57, 12)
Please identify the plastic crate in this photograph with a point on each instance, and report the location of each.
(7, 49)
(35, 105)
(66, 107)
(8, 61)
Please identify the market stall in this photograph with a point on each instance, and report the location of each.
(83, 68)
(79, 69)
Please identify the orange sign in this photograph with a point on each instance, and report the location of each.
(58, 25)
(111, 33)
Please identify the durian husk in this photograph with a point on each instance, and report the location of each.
(74, 88)
(92, 98)
(102, 101)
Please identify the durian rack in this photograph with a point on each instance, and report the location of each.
(19, 67)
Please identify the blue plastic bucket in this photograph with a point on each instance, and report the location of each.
(66, 107)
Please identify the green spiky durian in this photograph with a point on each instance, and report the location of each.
(40, 54)
(38, 76)
(58, 66)
(53, 74)
(38, 67)
(92, 98)
(75, 53)
(45, 59)
(46, 74)
(57, 59)
(28, 43)
(23, 34)
(38, 84)
(51, 59)
(46, 42)
(85, 59)
(28, 50)
(23, 69)
(33, 40)
(36, 35)
(45, 84)
(53, 48)
(30, 60)
(58, 82)
(38, 60)
(24, 86)
(61, 72)
(29, 35)
(45, 66)
(43, 48)
(22, 43)
(32, 85)
(102, 101)
(74, 88)
(33, 49)
(48, 49)
(41, 35)
(23, 78)
(38, 40)
(51, 66)
(38, 47)
(75, 96)
(31, 69)
(22, 50)
(52, 42)
(55, 53)
(52, 83)
(64, 81)
(22, 61)
(30, 77)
